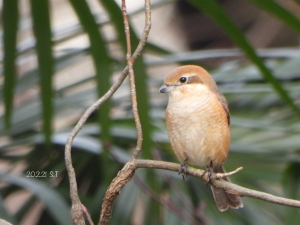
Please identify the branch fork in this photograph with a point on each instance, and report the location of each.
(223, 175)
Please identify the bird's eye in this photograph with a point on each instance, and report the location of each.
(183, 80)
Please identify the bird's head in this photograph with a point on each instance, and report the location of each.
(185, 78)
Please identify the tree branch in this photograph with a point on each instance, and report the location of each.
(228, 187)
(76, 209)
(132, 84)
(119, 182)
(125, 175)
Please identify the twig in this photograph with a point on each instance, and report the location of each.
(76, 210)
(122, 178)
(222, 175)
(132, 84)
(87, 215)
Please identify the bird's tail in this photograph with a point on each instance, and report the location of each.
(223, 199)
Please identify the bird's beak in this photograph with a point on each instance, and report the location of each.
(165, 89)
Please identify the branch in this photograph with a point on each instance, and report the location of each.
(123, 177)
(228, 187)
(132, 84)
(114, 189)
(87, 215)
(76, 210)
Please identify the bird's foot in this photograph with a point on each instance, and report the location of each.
(209, 171)
(183, 169)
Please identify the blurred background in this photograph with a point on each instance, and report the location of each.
(59, 56)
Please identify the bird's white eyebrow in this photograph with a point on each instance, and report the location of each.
(194, 79)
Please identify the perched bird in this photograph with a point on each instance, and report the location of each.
(197, 118)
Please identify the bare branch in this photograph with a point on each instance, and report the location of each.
(76, 210)
(114, 189)
(246, 192)
(223, 175)
(127, 172)
(130, 62)
(87, 215)
(119, 182)
(146, 31)
(132, 84)
(219, 183)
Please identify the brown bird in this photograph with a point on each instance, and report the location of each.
(197, 118)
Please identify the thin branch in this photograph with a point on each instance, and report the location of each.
(76, 212)
(164, 202)
(87, 215)
(132, 84)
(228, 187)
(222, 175)
(123, 177)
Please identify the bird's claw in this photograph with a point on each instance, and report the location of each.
(209, 171)
(183, 169)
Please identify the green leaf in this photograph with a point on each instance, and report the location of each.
(280, 12)
(291, 182)
(101, 60)
(42, 29)
(57, 207)
(10, 28)
(219, 15)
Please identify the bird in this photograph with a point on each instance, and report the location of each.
(198, 120)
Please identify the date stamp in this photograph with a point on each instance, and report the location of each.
(36, 174)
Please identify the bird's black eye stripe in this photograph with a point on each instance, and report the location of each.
(183, 80)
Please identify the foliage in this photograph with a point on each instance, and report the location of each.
(262, 94)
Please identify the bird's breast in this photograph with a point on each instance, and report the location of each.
(198, 129)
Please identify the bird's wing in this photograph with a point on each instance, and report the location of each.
(224, 104)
